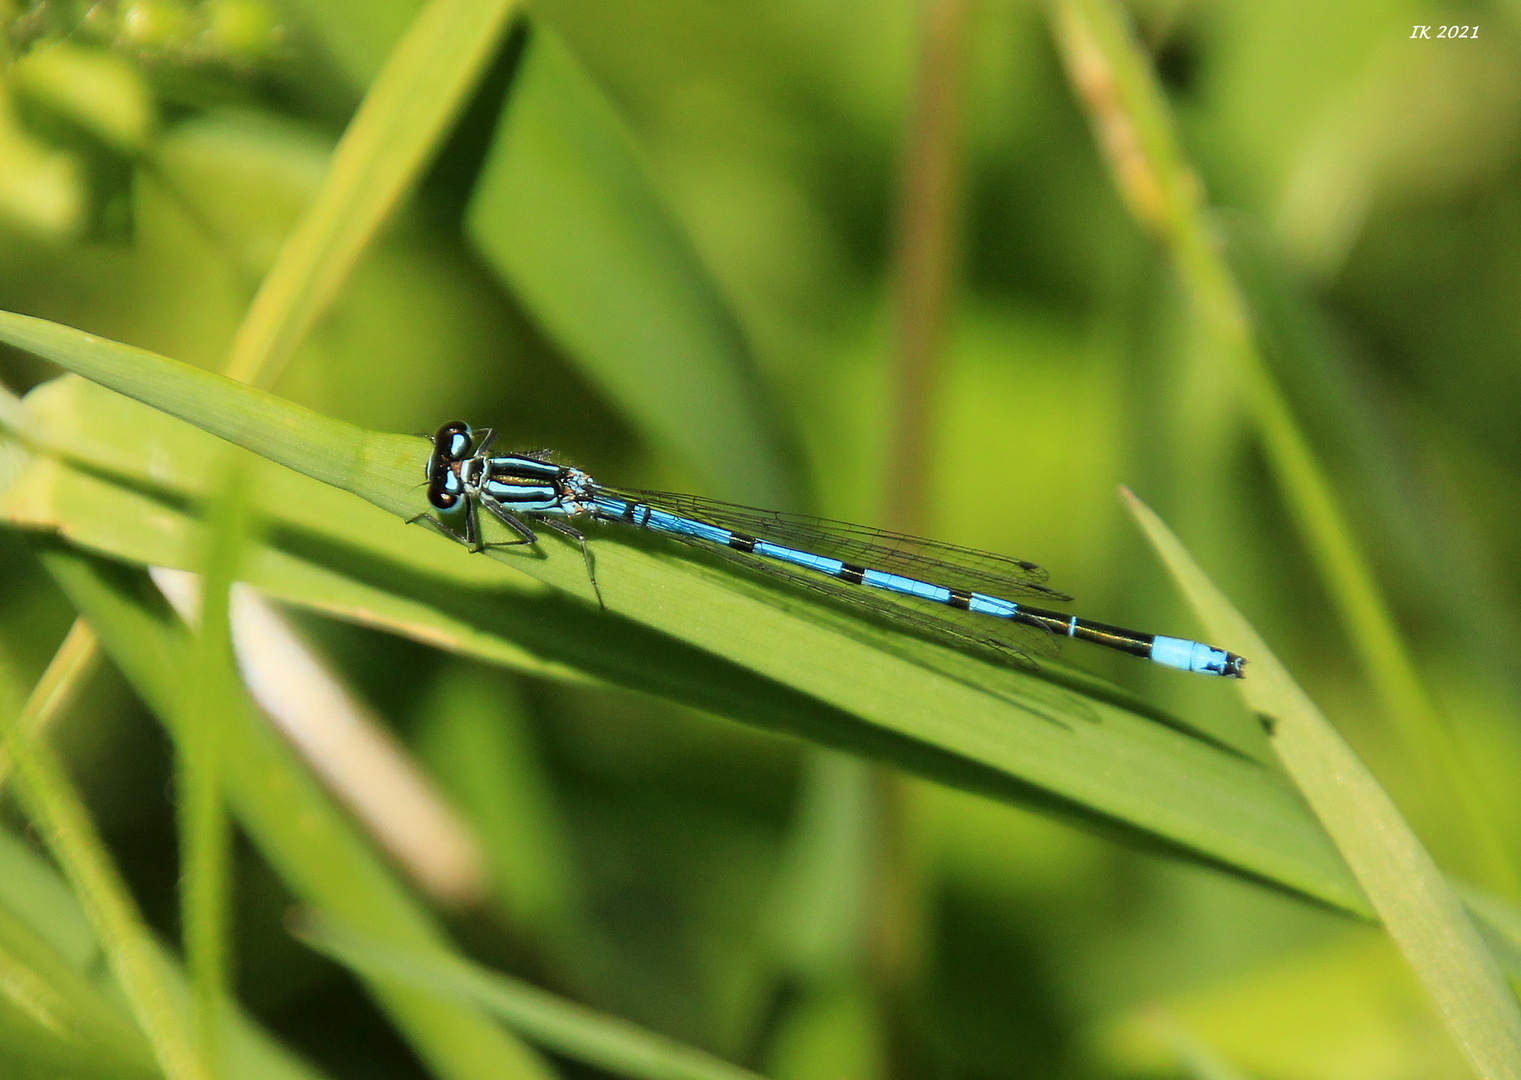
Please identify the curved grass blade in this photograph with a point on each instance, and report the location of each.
(739, 647)
(579, 1033)
(573, 641)
(1220, 806)
(1411, 896)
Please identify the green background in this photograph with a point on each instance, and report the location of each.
(660, 239)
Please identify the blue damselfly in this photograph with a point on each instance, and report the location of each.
(949, 592)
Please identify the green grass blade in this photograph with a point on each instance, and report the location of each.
(576, 1031)
(307, 839)
(115, 520)
(204, 832)
(1152, 792)
(55, 808)
(76, 659)
(1411, 896)
(567, 213)
(740, 647)
(408, 108)
(328, 450)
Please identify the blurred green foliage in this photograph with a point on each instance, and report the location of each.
(788, 910)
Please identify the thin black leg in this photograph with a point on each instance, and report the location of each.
(473, 538)
(525, 534)
(575, 534)
(487, 434)
(473, 527)
(428, 519)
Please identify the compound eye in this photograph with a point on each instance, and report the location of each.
(454, 441)
(446, 490)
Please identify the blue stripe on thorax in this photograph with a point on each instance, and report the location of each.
(513, 465)
(525, 498)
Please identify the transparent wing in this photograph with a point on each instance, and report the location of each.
(878, 549)
(939, 563)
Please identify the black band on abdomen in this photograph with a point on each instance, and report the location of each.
(1113, 637)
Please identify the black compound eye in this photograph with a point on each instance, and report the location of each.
(446, 489)
(454, 441)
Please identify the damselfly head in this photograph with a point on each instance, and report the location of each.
(452, 444)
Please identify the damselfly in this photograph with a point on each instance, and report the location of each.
(949, 592)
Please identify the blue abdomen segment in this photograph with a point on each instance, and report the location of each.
(992, 605)
(806, 559)
(905, 586)
(1195, 656)
(664, 521)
